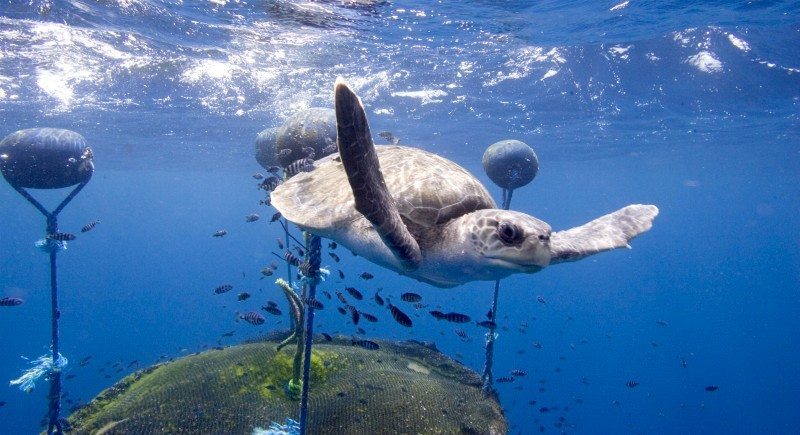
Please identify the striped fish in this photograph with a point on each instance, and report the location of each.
(369, 317)
(298, 166)
(88, 227)
(224, 288)
(366, 344)
(270, 183)
(410, 297)
(354, 293)
(61, 237)
(10, 302)
(400, 316)
(253, 318)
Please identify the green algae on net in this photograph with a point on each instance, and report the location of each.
(403, 387)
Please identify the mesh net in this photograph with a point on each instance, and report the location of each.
(400, 388)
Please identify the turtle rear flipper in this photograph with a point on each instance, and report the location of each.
(608, 232)
(372, 198)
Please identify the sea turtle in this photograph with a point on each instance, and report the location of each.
(424, 216)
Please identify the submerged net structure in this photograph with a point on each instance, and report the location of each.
(401, 387)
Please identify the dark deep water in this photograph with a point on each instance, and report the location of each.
(690, 106)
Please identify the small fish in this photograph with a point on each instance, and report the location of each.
(252, 217)
(541, 300)
(299, 251)
(712, 388)
(309, 152)
(275, 217)
(354, 315)
(2, 403)
(284, 152)
(253, 318)
(462, 334)
(451, 317)
(85, 361)
(327, 294)
(437, 314)
(219, 233)
(354, 293)
(334, 256)
(366, 344)
(683, 363)
(61, 237)
(367, 276)
(341, 310)
(275, 311)
(378, 299)
(243, 296)
(369, 317)
(504, 379)
(341, 274)
(267, 271)
(314, 303)
(291, 259)
(662, 322)
(10, 302)
(410, 297)
(332, 245)
(258, 176)
(518, 372)
(326, 336)
(389, 137)
(487, 324)
(88, 227)
(280, 244)
(298, 166)
(270, 183)
(224, 288)
(341, 298)
(400, 316)
(229, 333)
(361, 330)
(274, 169)
(632, 384)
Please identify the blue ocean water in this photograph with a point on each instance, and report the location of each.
(692, 106)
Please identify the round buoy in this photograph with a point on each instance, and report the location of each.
(313, 128)
(510, 163)
(45, 158)
(265, 147)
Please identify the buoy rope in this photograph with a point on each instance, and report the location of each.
(314, 258)
(488, 381)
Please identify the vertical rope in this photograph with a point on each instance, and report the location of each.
(54, 396)
(314, 258)
(54, 409)
(487, 379)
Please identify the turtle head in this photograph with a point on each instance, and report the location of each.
(510, 240)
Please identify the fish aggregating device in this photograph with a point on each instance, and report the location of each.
(510, 164)
(359, 386)
(307, 132)
(47, 158)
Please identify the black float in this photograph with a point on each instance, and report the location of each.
(48, 158)
(509, 164)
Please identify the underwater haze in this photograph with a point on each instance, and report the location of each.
(692, 106)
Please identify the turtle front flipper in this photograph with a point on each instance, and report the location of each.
(372, 198)
(608, 232)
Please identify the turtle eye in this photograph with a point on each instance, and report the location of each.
(509, 233)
